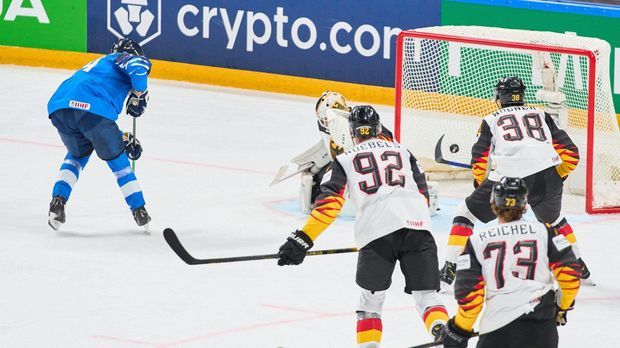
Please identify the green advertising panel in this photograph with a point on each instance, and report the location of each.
(53, 24)
(459, 12)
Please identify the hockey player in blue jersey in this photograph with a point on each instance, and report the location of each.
(84, 110)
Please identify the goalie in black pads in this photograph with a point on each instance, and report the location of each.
(392, 224)
(511, 267)
(521, 141)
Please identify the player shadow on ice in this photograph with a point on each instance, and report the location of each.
(101, 234)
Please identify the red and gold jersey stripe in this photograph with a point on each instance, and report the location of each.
(325, 212)
(480, 153)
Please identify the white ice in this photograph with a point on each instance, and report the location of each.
(209, 156)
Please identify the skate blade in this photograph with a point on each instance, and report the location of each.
(53, 223)
(147, 229)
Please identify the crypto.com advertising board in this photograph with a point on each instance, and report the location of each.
(351, 41)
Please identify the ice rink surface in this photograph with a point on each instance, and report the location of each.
(209, 156)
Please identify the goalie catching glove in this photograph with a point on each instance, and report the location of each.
(293, 251)
(133, 150)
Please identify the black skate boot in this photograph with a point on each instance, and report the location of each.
(57, 212)
(141, 216)
(437, 332)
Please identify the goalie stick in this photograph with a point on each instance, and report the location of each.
(179, 249)
(281, 174)
(439, 156)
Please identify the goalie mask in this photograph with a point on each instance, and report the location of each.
(330, 101)
(510, 91)
(364, 122)
(509, 193)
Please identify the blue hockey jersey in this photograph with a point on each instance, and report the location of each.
(102, 85)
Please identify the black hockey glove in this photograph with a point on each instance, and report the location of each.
(133, 151)
(293, 251)
(454, 336)
(560, 317)
(585, 272)
(560, 314)
(136, 104)
(448, 272)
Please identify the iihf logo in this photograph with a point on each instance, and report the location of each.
(137, 19)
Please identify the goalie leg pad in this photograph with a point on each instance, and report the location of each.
(433, 197)
(305, 194)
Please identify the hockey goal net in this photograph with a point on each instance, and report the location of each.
(445, 79)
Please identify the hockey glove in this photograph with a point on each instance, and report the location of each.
(136, 104)
(560, 317)
(293, 251)
(560, 314)
(448, 272)
(454, 336)
(133, 151)
(585, 272)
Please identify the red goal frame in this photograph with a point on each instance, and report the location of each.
(590, 55)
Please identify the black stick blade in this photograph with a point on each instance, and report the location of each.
(439, 156)
(177, 247)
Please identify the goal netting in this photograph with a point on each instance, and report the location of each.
(445, 78)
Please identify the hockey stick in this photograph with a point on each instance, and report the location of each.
(177, 247)
(133, 161)
(435, 344)
(439, 156)
(280, 174)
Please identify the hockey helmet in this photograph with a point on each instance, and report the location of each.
(128, 46)
(510, 91)
(364, 122)
(509, 193)
(329, 100)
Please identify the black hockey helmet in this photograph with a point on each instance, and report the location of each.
(509, 193)
(364, 122)
(127, 45)
(510, 91)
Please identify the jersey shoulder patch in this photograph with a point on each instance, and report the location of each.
(560, 242)
(463, 262)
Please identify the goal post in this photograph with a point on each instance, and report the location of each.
(445, 79)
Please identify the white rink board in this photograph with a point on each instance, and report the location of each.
(209, 156)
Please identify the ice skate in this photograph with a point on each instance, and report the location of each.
(142, 218)
(57, 212)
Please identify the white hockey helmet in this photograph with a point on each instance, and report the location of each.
(330, 100)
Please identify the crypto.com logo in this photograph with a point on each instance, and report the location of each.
(127, 16)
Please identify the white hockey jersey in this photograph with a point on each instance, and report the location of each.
(510, 265)
(387, 186)
(521, 142)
